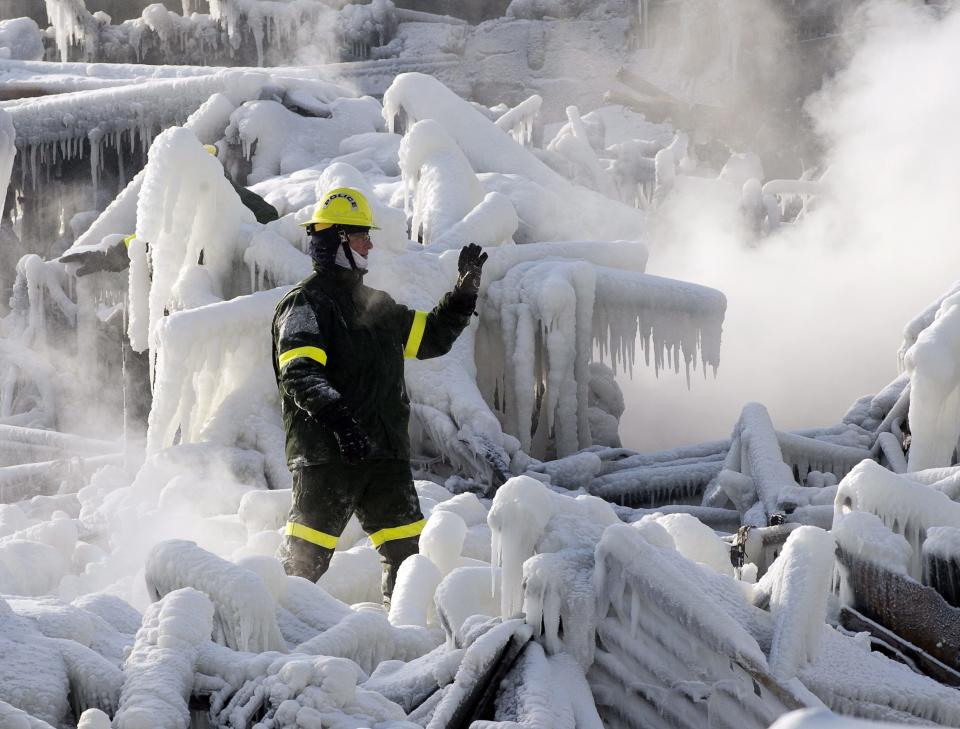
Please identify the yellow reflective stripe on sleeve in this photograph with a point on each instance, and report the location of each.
(311, 535)
(416, 334)
(400, 532)
(314, 353)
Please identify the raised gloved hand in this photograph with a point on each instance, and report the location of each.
(470, 266)
(353, 442)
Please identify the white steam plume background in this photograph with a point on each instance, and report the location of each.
(816, 312)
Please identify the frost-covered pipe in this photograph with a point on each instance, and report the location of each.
(792, 187)
(53, 439)
(891, 450)
(160, 669)
(809, 454)
(244, 615)
(518, 121)
(762, 458)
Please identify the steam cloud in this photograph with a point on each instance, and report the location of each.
(815, 313)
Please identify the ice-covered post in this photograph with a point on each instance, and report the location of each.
(8, 151)
(160, 669)
(761, 458)
(932, 363)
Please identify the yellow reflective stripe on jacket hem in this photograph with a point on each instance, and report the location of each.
(311, 535)
(400, 532)
(416, 334)
(314, 353)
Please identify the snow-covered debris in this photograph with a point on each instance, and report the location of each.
(308, 691)
(414, 97)
(367, 638)
(480, 658)
(11, 716)
(20, 39)
(245, 611)
(559, 602)
(527, 518)
(159, 671)
(38, 674)
(280, 142)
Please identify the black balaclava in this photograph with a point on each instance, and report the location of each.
(324, 245)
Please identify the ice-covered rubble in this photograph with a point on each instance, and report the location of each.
(550, 606)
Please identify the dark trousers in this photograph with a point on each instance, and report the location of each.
(382, 495)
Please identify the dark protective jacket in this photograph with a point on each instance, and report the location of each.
(336, 340)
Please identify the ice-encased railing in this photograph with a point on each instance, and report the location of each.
(906, 507)
(220, 387)
(519, 120)
(675, 321)
(65, 126)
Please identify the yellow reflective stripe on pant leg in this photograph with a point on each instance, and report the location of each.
(416, 334)
(314, 353)
(313, 536)
(400, 532)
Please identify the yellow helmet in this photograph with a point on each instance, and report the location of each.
(211, 149)
(343, 206)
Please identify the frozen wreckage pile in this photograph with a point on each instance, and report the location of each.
(531, 610)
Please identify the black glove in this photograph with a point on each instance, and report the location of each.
(353, 442)
(470, 265)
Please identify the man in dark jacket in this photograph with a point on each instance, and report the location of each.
(338, 351)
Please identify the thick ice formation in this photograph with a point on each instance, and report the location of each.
(932, 363)
(160, 669)
(904, 506)
(245, 611)
(527, 518)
